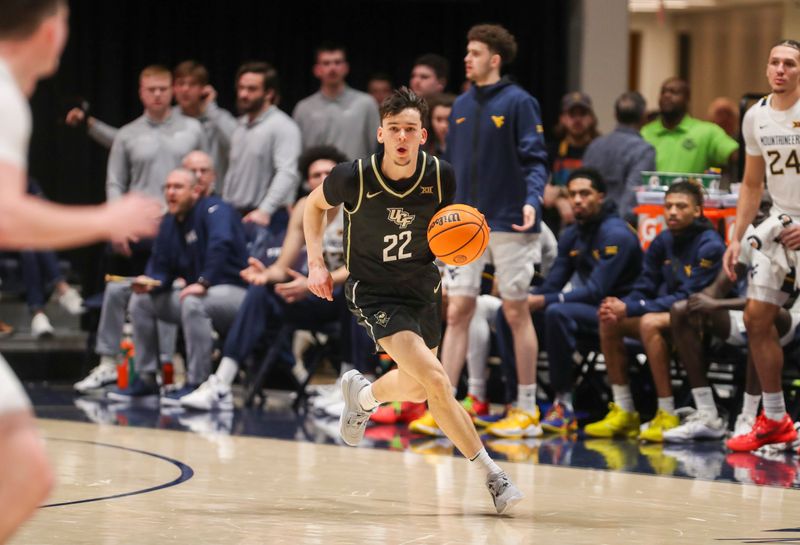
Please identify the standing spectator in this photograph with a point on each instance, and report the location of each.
(683, 143)
(379, 87)
(337, 115)
(622, 155)
(201, 240)
(429, 75)
(262, 176)
(438, 122)
(682, 260)
(194, 97)
(500, 160)
(577, 127)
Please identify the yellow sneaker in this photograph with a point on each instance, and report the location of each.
(516, 450)
(517, 424)
(662, 464)
(426, 425)
(617, 423)
(653, 431)
(617, 454)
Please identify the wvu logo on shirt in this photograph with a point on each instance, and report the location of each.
(499, 120)
(400, 217)
(706, 263)
(688, 270)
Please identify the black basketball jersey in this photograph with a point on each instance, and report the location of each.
(386, 221)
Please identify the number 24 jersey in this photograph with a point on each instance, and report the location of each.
(386, 221)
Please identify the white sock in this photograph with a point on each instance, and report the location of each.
(704, 400)
(623, 397)
(750, 405)
(667, 404)
(565, 399)
(526, 397)
(227, 370)
(774, 405)
(485, 460)
(477, 387)
(367, 399)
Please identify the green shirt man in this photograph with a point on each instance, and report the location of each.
(692, 146)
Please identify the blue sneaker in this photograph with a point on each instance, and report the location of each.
(559, 419)
(138, 390)
(171, 396)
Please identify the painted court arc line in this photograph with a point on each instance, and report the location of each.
(186, 474)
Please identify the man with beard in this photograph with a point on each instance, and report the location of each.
(262, 175)
(682, 260)
(604, 253)
(683, 143)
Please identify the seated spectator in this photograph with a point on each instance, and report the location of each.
(681, 260)
(711, 312)
(683, 143)
(622, 155)
(117, 296)
(438, 122)
(42, 277)
(380, 86)
(577, 127)
(604, 253)
(278, 292)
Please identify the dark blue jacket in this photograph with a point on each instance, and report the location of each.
(496, 146)
(675, 267)
(605, 253)
(208, 243)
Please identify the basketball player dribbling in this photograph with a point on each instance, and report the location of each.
(771, 136)
(394, 287)
(32, 36)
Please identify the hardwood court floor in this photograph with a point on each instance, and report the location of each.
(248, 490)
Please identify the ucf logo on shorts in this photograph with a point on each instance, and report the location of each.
(400, 217)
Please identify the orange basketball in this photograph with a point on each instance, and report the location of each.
(458, 234)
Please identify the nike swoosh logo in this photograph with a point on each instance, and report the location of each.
(370, 195)
(762, 126)
(439, 285)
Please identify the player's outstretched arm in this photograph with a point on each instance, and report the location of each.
(30, 222)
(320, 282)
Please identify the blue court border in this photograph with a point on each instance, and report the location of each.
(186, 473)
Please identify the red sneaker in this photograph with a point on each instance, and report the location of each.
(474, 406)
(764, 432)
(398, 412)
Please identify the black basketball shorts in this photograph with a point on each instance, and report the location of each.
(386, 309)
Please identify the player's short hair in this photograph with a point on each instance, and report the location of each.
(191, 69)
(437, 63)
(794, 44)
(317, 153)
(686, 187)
(629, 108)
(270, 75)
(20, 18)
(155, 70)
(497, 39)
(402, 99)
(329, 47)
(587, 173)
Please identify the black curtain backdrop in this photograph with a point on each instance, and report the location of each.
(111, 41)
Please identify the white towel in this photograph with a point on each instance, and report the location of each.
(768, 252)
